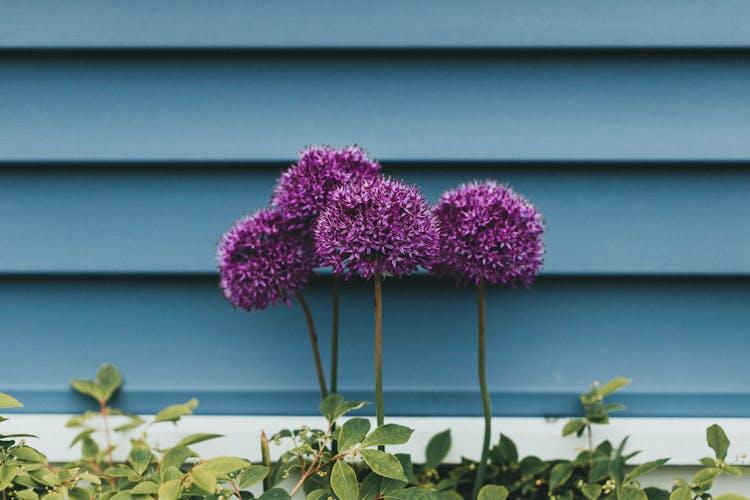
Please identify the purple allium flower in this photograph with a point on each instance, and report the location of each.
(263, 261)
(488, 231)
(303, 189)
(377, 225)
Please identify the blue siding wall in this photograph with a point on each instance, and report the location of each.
(133, 135)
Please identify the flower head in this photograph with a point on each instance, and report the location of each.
(304, 188)
(489, 232)
(263, 260)
(377, 225)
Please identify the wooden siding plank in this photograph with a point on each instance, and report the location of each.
(434, 107)
(145, 219)
(178, 337)
(296, 24)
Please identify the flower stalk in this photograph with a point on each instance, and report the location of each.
(314, 345)
(335, 334)
(380, 414)
(486, 402)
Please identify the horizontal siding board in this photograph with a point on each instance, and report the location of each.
(297, 24)
(175, 337)
(412, 107)
(612, 220)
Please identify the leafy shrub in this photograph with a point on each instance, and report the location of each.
(342, 461)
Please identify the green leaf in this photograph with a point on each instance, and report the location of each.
(614, 385)
(388, 434)
(53, 496)
(91, 478)
(27, 495)
(370, 488)
(645, 468)
(408, 467)
(414, 494)
(718, 441)
(275, 494)
(329, 405)
(119, 470)
(122, 495)
(344, 481)
(174, 412)
(334, 406)
(251, 475)
(617, 469)
(197, 438)
(572, 426)
(89, 448)
(170, 473)
(348, 406)
(508, 450)
(223, 465)
(682, 493)
(108, 379)
(730, 496)
(559, 474)
(81, 435)
(134, 423)
(630, 493)
(614, 407)
(106, 382)
(176, 456)
(733, 470)
(45, 477)
(437, 450)
(705, 477)
(204, 479)
(28, 454)
(384, 464)
(318, 494)
(450, 495)
(78, 493)
(7, 401)
(7, 474)
(591, 491)
(352, 433)
(171, 490)
(140, 457)
(87, 388)
(656, 493)
(531, 466)
(492, 492)
(145, 488)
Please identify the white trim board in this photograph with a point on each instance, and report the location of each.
(681, 439)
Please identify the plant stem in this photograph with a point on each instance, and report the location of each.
(266, 457)
(486, 403)
(379, 349)
(103, 409)
(335, 335)
(591, 446)
(314, 345)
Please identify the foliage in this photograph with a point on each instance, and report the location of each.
(342, 461)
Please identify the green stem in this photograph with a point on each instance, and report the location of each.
(335, 336)
(314, 345)
(266, 459)
(335, 346)
(486, 403)
(379, 349)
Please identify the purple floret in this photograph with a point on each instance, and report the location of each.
(377, 225)
(489, 232)
(304, 188)
(263, 260)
